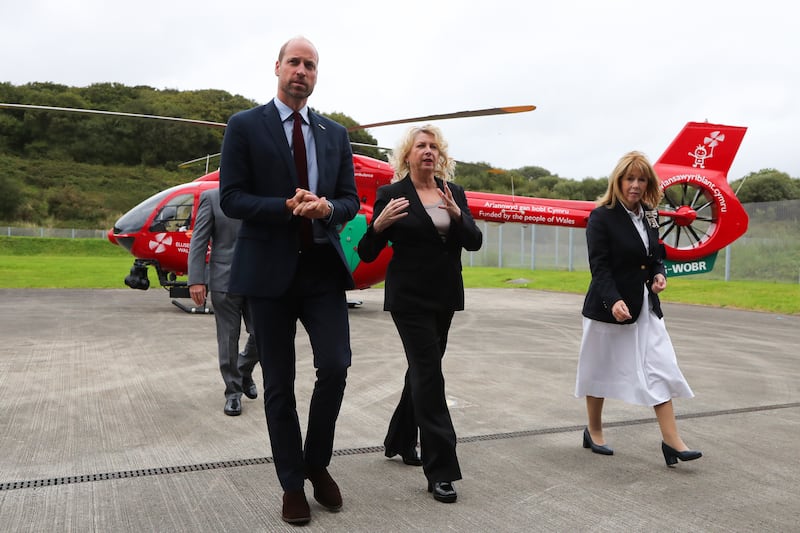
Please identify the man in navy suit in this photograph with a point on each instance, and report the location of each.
(290, 265)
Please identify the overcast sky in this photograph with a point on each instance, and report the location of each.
(606, 76)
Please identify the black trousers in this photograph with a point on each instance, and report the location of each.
(317, 299)
(423, 403)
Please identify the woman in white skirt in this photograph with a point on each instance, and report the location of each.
(626, 352)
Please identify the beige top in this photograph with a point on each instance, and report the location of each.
(440, 218)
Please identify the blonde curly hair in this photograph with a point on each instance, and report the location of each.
(445, 166)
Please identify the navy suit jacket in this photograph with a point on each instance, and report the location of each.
(258, 175)
(424, 272)
(621, 265)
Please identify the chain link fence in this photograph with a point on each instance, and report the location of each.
(768, 251)
(10, 231)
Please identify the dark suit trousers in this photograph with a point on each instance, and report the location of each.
(248, 357)
(423, 402)
(317, 299)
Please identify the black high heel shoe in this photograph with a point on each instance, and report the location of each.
(671, 455)
(443, 491)
(410, 456)
(602, 449)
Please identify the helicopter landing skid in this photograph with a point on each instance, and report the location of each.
(203, 310)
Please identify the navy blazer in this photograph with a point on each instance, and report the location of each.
(621, 265)
(424, 271)
(258, 175)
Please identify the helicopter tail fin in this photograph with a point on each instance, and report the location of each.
(700, 145)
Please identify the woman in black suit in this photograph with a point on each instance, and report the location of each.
(428, 223)
(626, 352)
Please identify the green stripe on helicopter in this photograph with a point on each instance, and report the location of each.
(685, 268)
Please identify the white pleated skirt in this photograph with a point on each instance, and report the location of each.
(634, 363)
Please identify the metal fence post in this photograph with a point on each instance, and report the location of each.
(500, 246)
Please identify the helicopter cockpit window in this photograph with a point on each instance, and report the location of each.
(176, 215)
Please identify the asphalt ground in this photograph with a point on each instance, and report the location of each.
(111, 421)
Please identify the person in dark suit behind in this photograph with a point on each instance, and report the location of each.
(428, 223)
(626, 352)
(287, 172)
(212, 226)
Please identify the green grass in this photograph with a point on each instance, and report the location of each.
(65, 272)
(40, 262)
(36, 262)
(46, 246)
(772, 297)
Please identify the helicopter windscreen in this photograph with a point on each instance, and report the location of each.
(176, 215)
(134, 220)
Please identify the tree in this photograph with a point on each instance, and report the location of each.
(10, 197)
(767, 185)
(358, 136)
(114, 140)
(533, 173)
(592, 188)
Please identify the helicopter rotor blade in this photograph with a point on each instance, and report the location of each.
(459, 114)
(367, 145)
(112, 113)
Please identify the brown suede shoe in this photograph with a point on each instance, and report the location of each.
(326, 491)
(295, 507)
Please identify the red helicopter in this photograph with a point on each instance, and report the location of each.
(699, 214)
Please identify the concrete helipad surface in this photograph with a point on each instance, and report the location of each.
(111, 420)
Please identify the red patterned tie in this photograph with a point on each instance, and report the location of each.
(300, 162)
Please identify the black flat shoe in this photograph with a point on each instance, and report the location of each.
(602, 449)
(233, 407)
(671, 455)
(249, 388)
(443, 491)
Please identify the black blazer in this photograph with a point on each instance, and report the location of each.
(424, 271)
(621, 267)
(257, 175)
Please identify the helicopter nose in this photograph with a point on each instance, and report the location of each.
(119, 238)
